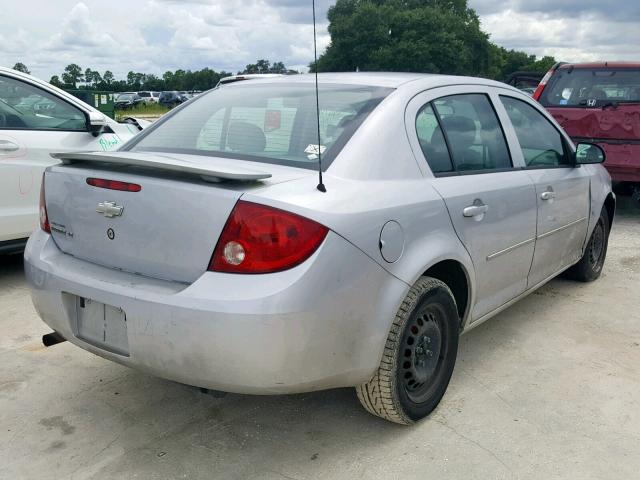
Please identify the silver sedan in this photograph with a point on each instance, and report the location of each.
(204, 252)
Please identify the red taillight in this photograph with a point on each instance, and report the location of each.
(543, 83)
(114, 185)
(262, 239)
(44, 217)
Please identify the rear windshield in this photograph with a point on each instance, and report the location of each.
(144, 94)
(592, 87)
(268, 123)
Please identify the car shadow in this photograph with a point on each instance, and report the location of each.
(11, 269)
(301, 431)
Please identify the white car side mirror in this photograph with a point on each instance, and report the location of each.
(96, 123)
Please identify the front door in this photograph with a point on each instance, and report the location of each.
(33, 124)
(562, 191)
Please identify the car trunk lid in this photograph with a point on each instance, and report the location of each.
(169, 228)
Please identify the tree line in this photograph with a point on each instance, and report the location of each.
(430, 36)
(75, 77)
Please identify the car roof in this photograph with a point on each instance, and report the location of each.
(381, 79)
(601, 65)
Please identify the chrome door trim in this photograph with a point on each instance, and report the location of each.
(559, 229)
(510, 249)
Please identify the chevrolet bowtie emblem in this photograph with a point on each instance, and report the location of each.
(109, 209)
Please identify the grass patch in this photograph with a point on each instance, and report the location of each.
(154, 109)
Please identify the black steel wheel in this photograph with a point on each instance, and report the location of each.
(590, 266)
(419, 356)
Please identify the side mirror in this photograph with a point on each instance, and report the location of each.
(96, 123)
(588, 153)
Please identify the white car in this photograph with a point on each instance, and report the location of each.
(246, 76)
(149, 97)
(37, 119)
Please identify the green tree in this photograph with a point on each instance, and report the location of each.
(55, 81)
(434, 36)
(72, 75)
(108, 77)
(21, 67)
(92, 78)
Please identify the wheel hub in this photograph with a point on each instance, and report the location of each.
(597, 244)
(422, 352)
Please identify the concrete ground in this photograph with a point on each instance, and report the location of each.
(549, 389)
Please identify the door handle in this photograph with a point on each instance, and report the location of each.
(548, 195)
(7, 146)
(475, 210)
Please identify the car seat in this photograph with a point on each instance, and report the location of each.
(246, 137)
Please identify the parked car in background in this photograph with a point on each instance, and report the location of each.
(127, 100)
(149, 97)
(600, 103)
(205, 252)
(171, 98)
(37, 119)
(527, 81)
(249, 76)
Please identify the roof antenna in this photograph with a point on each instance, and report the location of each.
(321, 186)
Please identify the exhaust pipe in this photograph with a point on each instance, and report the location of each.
(52, 338)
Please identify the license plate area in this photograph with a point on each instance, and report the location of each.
(102, 325)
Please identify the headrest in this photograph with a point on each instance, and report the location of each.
(246, 137)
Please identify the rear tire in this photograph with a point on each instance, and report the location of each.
(590, 265)
(418, 358)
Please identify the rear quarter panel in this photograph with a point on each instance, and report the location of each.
(358, 210)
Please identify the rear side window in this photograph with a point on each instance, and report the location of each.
(472, 133)
(432, 141)
(269, 123)
(592, 87)
(541, 143)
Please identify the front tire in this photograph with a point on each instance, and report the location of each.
(418, 358)
(590, 265)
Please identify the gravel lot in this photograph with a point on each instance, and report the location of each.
(548, 389)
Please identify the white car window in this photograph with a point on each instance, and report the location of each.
(25, 107)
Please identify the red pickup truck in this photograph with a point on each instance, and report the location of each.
(599, 103)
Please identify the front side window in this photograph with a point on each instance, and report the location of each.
(541, 143)
(25, 107)
(269, 123)
(473, 133)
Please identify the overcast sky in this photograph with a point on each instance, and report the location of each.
(153, 36)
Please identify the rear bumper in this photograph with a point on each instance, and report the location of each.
(623, 162)
(624, 173)
(320, 325)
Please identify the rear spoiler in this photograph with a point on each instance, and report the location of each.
(160, 161)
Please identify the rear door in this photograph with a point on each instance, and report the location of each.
(34, 123)
(562, 190)
(600, 104)
(491, 202)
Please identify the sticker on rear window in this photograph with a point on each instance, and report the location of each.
(312, 151)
